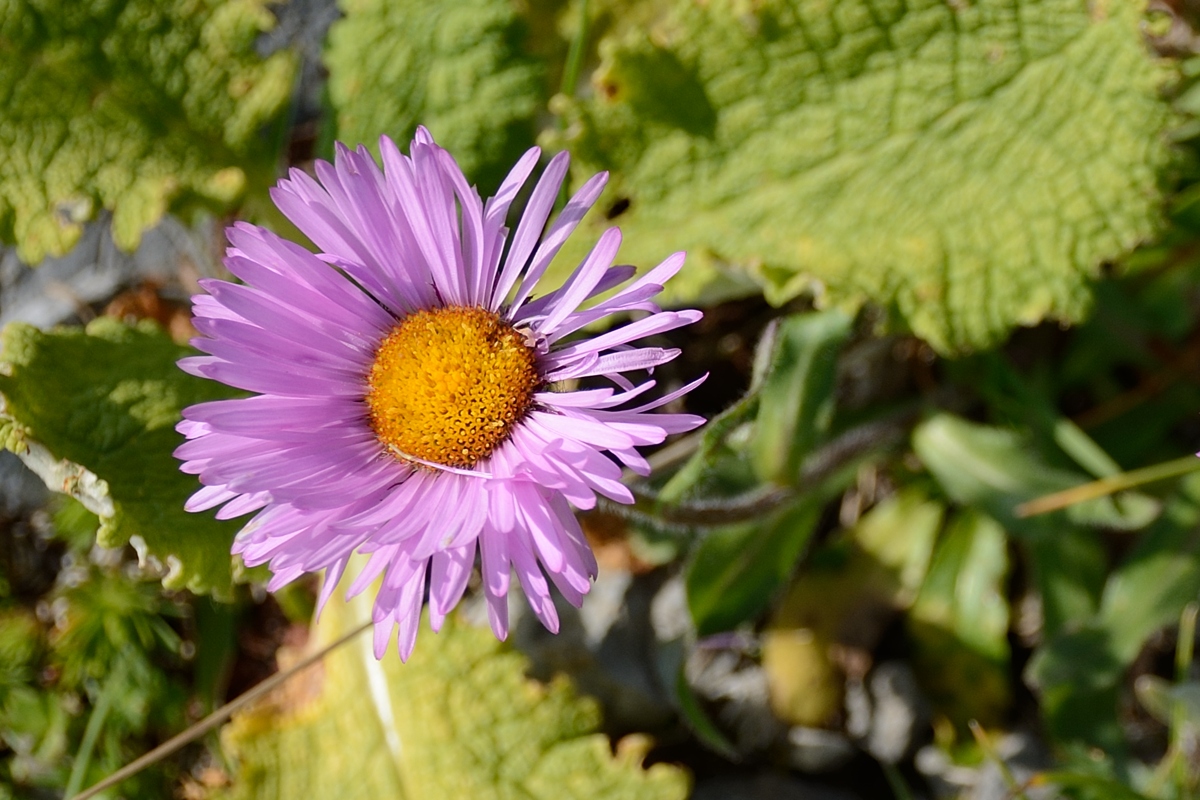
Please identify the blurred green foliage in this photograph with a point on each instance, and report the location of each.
(93, 676)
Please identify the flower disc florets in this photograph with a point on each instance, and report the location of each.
(449, 384)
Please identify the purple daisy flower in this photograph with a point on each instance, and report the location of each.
(415, 401)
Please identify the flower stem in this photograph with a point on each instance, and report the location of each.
(896, 781)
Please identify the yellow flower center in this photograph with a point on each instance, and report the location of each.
(449, 384)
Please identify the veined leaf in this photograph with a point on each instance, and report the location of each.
(460, 719)
(968, 164)
(95, 413)
(132, 107)
(456, 67)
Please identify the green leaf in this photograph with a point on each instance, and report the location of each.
(998, 469)
(968, 164)
(1009, 393)
(796, 399)
(735, 571)
(994, 470)
(696, 475)
(959, 622)
(1069, 566)
(1167, 702)
(1078, 672)
(899, 535)
(134, 107)
(1076, 678)
(456, 67)
(19, 645)
(1162, 574)
(766, 435)
(697, 719)
(460, 719)
(99, 407)
(1087, 787)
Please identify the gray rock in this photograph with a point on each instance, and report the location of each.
(302, 26)
(603, 606)
(669, 614)
(606, 647)
(21, 491)
(62, 289)
(1023, 753)
(899, 711)
(738, 688)
(947, 779)
(859, 710)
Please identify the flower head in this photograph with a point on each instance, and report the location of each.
(412, 391)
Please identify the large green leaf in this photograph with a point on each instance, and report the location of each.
(93, 412)
(129, 106)
(456, 67)
(969, 163)
(460, 719)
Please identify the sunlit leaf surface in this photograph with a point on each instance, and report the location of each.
(455, 67)
(968, 163)
(130, 107)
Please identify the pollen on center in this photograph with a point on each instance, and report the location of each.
(449, 384)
